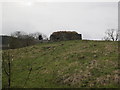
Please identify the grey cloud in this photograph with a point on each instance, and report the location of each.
(90, 19)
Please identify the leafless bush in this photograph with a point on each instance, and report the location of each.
(112, 35)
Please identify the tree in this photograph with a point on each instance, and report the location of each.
(21, 39)
(40, 37)
(112, 34)
(37, 36)
(44, 37)
(6, 57)
(18, 34)
(29, 40)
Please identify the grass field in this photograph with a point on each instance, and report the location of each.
(65, 64)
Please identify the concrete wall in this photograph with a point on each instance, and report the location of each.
(65, 35)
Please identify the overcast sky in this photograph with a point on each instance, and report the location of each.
(91, 19)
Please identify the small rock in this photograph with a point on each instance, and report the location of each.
(82, 57)
(61, 44)
(95, 56)
(85, 47)
(94, 45)
(106, 54)
(94, 61)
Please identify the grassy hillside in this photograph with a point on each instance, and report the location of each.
(15, 43)
(65, 64)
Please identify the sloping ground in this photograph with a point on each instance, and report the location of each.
(65, 64)
(15, 43)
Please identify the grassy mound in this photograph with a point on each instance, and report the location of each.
(64, 64)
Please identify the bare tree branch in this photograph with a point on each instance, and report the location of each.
(28, 75)
(5, 68)
(111, 34)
